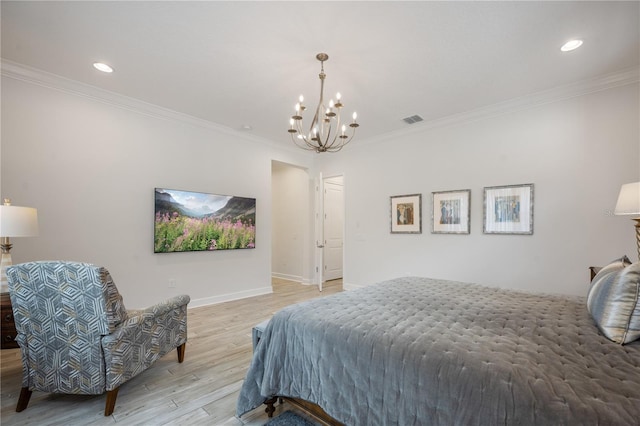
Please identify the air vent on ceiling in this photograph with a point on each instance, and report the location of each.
(413, 119)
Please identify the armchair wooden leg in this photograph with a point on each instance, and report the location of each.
(181, 350)
(23, 400)
(111, 401)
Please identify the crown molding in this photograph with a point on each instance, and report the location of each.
(36, 76)
(42, 78)
(557, 94)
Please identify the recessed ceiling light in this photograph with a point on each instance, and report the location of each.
(571, 45)
(102, 67)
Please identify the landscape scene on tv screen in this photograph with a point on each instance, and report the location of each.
(196, 221)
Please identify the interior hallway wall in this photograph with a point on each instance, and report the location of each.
(290, 216)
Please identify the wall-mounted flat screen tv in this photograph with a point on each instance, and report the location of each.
(196, 221)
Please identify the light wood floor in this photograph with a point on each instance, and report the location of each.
(201, 391)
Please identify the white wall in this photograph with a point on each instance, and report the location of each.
(291, 214)
(576, 152)
(90, 169)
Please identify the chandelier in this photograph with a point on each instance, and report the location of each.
(325, 134)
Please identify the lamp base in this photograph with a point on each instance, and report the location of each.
(6, 261)
(637, 220)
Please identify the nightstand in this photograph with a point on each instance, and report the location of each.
(8, 326)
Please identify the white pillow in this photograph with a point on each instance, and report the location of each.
(614, 300)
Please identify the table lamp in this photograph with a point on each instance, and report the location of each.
(14, 222)
(629, 203)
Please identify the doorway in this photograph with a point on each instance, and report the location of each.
(290, 227)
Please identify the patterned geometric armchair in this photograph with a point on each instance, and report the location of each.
(76, 336)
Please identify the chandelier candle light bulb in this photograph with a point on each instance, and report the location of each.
(323, 135)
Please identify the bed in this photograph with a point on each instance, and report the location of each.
(415, 351)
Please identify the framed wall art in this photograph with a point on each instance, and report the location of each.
(450, 212)
(406, 214)
(196, 221)
(508, 209)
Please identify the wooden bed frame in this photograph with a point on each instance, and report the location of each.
(310, 408)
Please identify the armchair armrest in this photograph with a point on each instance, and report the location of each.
(144, 338)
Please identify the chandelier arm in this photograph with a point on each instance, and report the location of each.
(347, 140)
(302, 136)
(344, 144)
(303, 142)
(315, 122)
(327, 148)
(328, 145)
(319, 110)
(335, 137)
(305, 146)
(309, 143)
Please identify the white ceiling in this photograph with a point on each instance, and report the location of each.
(237, 63)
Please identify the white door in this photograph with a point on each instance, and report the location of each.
(333, 227)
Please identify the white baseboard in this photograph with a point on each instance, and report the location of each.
(296, 278)
(289, 277)
(347, 286)
(196, 303)
(214, 300)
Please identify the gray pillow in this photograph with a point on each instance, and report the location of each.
(614, 300)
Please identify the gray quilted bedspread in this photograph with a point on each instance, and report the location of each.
(417, 351)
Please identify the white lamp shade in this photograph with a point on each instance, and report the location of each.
(628, 199)
(18, 221)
